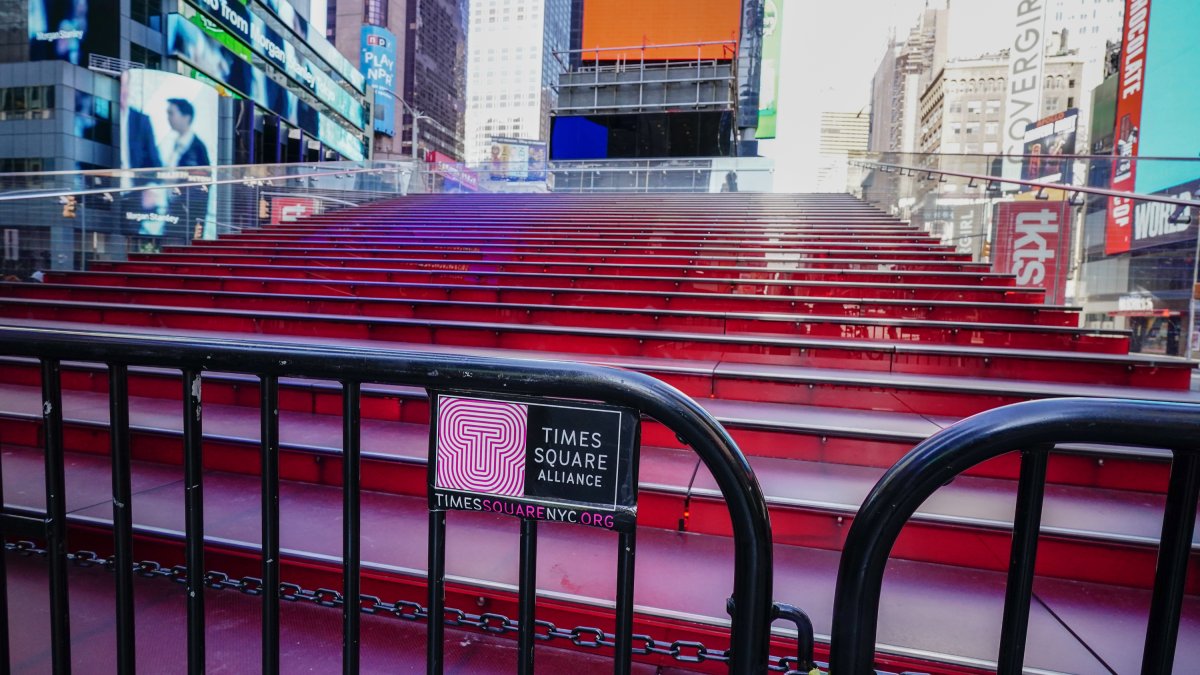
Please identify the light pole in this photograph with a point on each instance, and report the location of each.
(416, 115)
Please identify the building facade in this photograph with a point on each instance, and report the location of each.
(904, 71)
(513, 69)
(962, 109)
(426, 65)
(842, 134)
(294, 98)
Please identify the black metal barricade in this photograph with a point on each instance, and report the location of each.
(1032, 428)
(750, 629)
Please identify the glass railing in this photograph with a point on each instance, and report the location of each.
(64, 220)
(1073, 225)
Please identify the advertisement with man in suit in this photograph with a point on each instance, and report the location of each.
(168, 122)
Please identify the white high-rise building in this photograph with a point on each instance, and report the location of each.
(512, 70)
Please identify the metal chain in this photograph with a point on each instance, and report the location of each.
(683, 651)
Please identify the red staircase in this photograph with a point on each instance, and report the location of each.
(826, 336)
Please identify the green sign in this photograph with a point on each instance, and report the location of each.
(215, 31)
(768, 99)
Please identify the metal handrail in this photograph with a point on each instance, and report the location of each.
(1033, 428)
(984, 178)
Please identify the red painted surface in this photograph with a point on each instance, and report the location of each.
(827, 337)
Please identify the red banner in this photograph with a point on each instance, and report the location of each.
(1033, 243)
(291, 209)
(1118, 234)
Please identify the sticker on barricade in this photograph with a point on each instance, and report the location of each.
(546, 459)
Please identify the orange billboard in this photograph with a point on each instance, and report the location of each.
(621, 23)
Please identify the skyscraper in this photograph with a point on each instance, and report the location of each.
(906, 69)
(428, 62)
(512, 69)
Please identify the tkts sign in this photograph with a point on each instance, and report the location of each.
(547, 460)
(1033, 241)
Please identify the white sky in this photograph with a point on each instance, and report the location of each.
(831, 50)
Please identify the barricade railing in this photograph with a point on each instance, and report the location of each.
(508, 382)
(1032, 428)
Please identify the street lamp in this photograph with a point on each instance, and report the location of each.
(416, 115)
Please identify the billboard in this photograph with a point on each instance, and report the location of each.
(517, 159)
(1046, 142)
(768, 101)
(168, 121)
(315, 39)
(620, 23)
(1155, 118)
(1033, 243)
(70, 30)
(188, 42)
(378, 59)
(235, 27)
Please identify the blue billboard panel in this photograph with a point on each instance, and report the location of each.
(378, 59)
(1170, 97)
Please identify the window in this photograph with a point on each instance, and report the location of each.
(956, 107)
(375, 12)
(992, 106)
(93, 118)
(955, 128)
(27, 103)
(147, 12)
(972, 128)
(991, 129)
(974, 107)
(139, 54)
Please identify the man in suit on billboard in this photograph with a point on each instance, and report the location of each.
(188, 149)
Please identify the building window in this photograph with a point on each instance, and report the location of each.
(93, 118)
(27, 103)
(991, 129)
(956, 107)
(375, 12)
(974, 107)
(139, 54)
(147, 12)
(992, 106)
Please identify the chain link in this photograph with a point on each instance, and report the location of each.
(682, 651)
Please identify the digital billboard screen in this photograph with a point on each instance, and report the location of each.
(517, 159)
(378, 59)
(188, 42)
(70, 30)
(168, 122)
(1155, 118)
(1047, 141)
(620, 23)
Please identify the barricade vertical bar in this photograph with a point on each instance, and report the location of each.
(4, 652)
(527, 599)
(350, 527)
(1166, 602)
(623, 663)
(193, 507)
(122, 495)
(269, 439)
(56, 517)
(1022, 557)
(437, 593)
